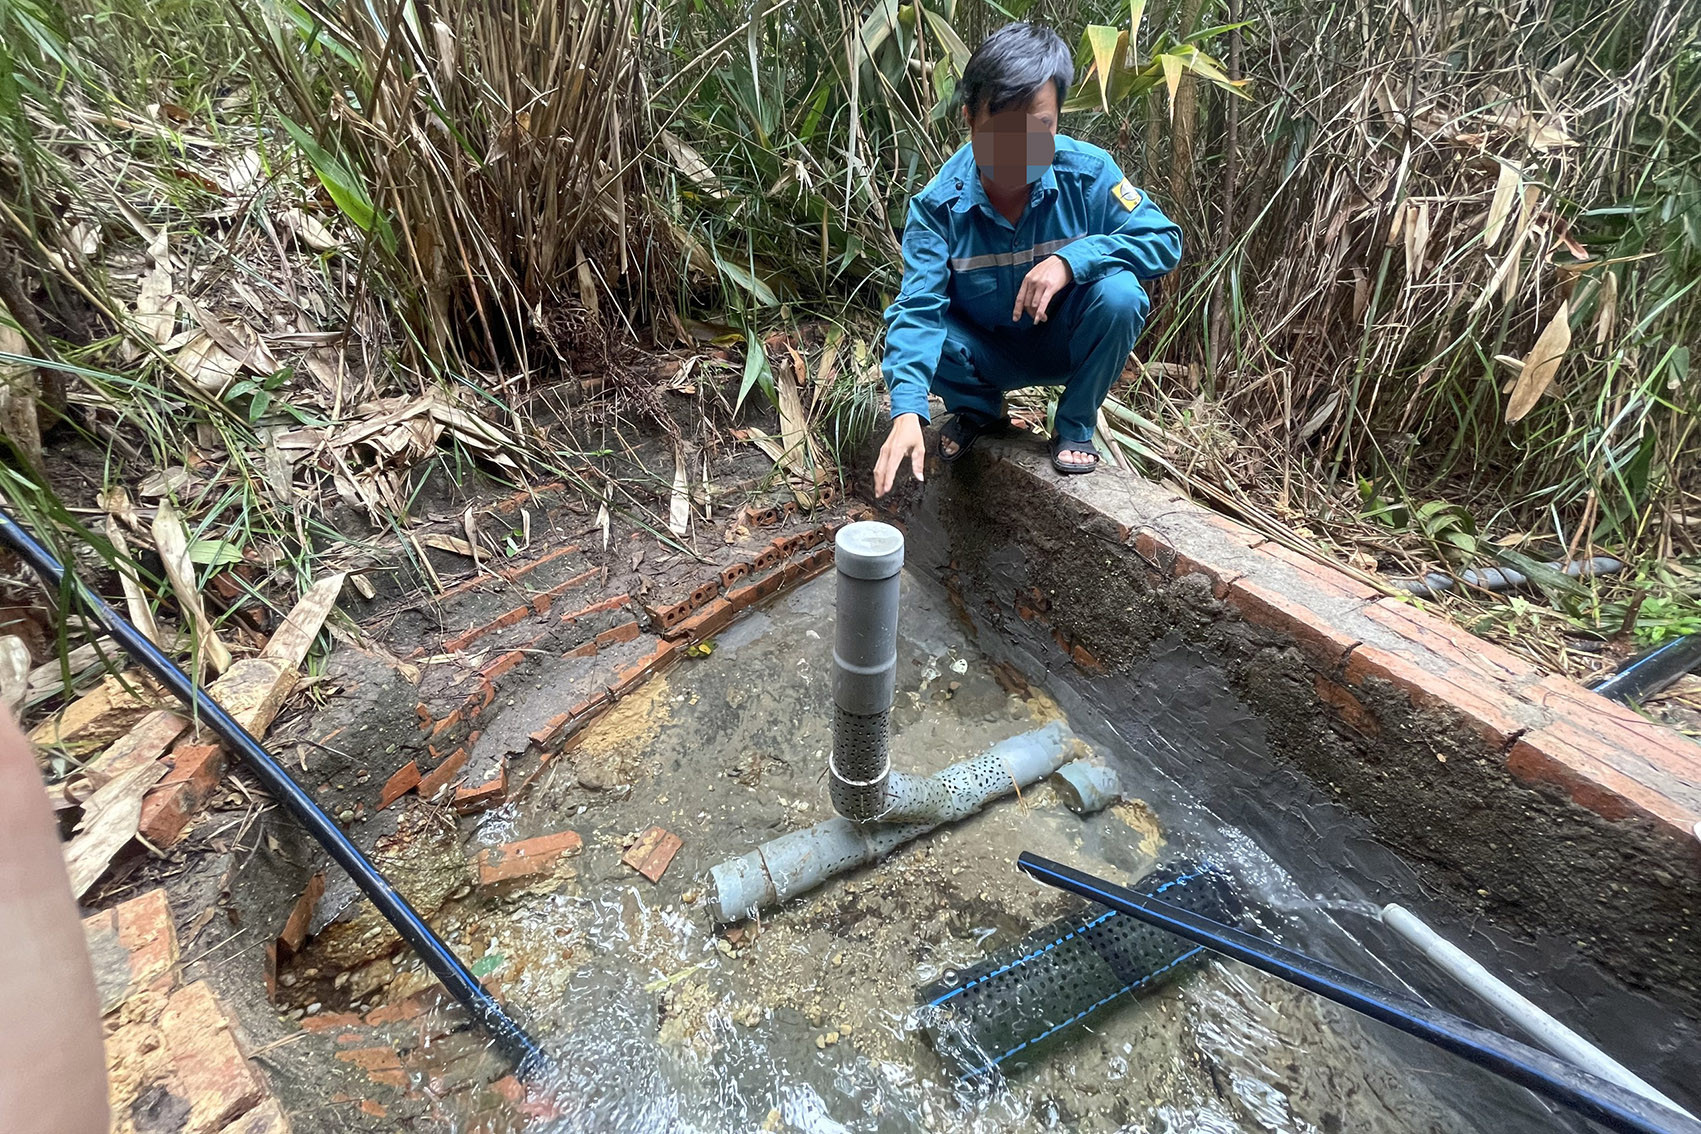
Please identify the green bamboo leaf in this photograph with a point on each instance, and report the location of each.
(756, 370)
(948, 36)
(345, 189)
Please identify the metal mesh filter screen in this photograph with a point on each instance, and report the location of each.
(994, 1014)
(860, 754)
(860, 750)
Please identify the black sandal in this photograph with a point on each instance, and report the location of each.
(1060, 446)
(964, 429)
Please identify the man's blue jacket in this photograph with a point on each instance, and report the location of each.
(962, 255)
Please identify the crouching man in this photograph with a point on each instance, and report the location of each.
(1022, 266)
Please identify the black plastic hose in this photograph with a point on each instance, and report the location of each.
(509, 1036)
(1606, 1103)
(1654, 671)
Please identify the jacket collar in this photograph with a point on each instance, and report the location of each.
(974, 193)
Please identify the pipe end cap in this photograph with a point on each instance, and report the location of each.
(869, 549)
(1087, 788)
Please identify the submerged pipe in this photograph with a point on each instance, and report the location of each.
(1605, 1102)
(878, 809)
(1501, 578)
(1494, 992)
(797, 862)
(438, 957)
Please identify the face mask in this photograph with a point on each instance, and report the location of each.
(1008, 138)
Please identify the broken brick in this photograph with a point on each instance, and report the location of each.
(146, 932)
(432, 783)
(209, 1073)
(508, 618)
(406, 778)
(169, 806)
(527, 859)
(331, 1021)
(625, 632)
(410, 1008)
(668, 616)
(166, 812)
(199, 765)
(1086, 659)
(652, 853)
(551, 729)
(613, 603)
(482, 797)
(294, 931)
(712, 619)
(747, 596)
(372, 1058)
(502, 665)
(733, 574)
(448, 722)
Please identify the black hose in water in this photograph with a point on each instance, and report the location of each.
(508, 1035)
(1653, 671)
(1606, 1103)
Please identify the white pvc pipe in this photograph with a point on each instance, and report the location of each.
(1537, 1024)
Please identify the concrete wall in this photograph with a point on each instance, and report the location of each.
(1528, 797)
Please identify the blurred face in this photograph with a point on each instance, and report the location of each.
(1014, 147)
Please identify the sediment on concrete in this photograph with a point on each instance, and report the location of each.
(1530, 798)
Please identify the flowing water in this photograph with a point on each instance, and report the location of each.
(805, 1022)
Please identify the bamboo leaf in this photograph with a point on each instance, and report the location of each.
(1505, 191)
(345, 189)
(948, 36)
(1173, 66)
(756, 371)
(1541, 364)
(1104, 40)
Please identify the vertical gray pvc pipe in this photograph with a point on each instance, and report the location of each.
(869, 555)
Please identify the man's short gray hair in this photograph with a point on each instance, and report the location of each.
(1010, 67)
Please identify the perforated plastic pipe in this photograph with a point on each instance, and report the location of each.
(801, 860)
(869, 555)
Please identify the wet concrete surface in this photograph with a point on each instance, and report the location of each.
(804, 1022)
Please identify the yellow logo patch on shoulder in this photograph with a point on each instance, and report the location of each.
(1126, 194)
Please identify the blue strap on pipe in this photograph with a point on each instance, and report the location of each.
(1606, 1103)
(530, 1059)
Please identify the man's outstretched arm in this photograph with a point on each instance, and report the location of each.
(52, 1068)
(915, 336)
